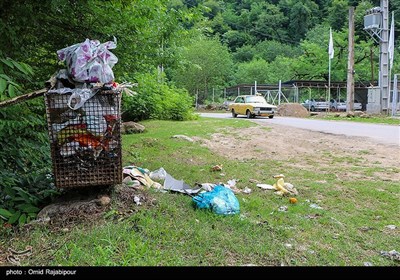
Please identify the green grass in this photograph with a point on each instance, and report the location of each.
(171, 232)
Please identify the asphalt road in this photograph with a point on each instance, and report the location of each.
(385, 134)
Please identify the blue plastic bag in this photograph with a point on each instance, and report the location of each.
(220, 200)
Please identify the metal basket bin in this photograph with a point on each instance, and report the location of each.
(85, 142)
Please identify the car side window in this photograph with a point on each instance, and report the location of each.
(240, 100)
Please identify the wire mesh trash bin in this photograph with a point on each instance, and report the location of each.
(86, 141)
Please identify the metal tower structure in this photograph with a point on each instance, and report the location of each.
(376, 24)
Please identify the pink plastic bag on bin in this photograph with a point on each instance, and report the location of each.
(90, 61)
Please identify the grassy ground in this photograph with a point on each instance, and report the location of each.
(349, 230)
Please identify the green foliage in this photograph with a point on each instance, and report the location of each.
(313, 63)
(25, 159)
(267, 19)
(338, 14)
(157, 100)
(255, 70)
(281, 69)
(25, 166)
(11, 72)
(244, 54)
(269, 50)
(235, 39)
(206, 64)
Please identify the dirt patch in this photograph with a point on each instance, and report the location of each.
(292, 110)
(88, 205)
(300, 148)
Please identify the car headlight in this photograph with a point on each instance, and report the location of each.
(256, 109)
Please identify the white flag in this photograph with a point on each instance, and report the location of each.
(331, 50)
(391, 43)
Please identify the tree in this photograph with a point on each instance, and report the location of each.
(244, 54)
(269, 50)
(281, 69)
(206, 64)
(147, 32)
(255, 70)
(302, 15)
(268, 22)
(313, 63)
(235, 39)
(338, 14)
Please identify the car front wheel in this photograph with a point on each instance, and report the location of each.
(248, 114)
(270, 116)
(234, 115)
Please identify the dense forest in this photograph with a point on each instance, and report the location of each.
(172, 50)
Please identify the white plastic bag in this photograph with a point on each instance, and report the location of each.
(79, 97)
(90, 61)
(158, 174)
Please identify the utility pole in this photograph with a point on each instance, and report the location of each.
(350, 64)
(376, 24)
(372, 65)
(384, 61)
(279, 92)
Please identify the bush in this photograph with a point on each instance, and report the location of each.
(156, 100)
(25, 165)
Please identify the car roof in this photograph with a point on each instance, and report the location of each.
(247, 95)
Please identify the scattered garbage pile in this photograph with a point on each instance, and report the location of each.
(83, 113)
(219, 198)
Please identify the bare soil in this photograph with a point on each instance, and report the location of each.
(307, 149)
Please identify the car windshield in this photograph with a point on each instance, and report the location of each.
(255, 99)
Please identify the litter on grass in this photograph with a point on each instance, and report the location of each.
(246, 190)
(281, 188)
(136, 199)
(393, 255)
(283, 209)
(216, 168)
(173, 184)
(391, 227)
(158, 174)
(220, 200)
(183, 137)
(315, 206)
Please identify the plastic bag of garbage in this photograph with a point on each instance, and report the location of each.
(158, 174)
(90, 61)
(79, 97)
(220, 200)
